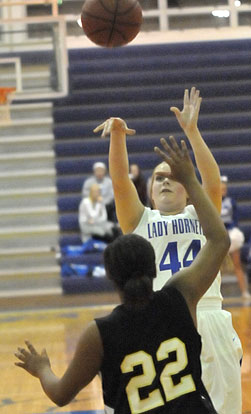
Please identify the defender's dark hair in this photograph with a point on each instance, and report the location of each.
(130, 264)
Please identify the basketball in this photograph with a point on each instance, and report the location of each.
(111, 23)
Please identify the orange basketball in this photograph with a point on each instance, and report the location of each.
(111, 23)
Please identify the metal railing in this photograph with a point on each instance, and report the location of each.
(161, 12)
(12, 3)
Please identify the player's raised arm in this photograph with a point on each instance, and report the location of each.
(129, 208)
(207, 166)
(194, 280)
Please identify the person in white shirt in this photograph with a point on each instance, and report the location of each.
(174, 231)
(101, 178)
(93, 221)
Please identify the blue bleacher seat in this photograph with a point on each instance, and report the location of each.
(67, 204)
(69, 222)
(70, 184)
(240, 192)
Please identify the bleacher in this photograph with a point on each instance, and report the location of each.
(139, 84)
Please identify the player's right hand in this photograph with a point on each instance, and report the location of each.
(31, 360)
(114, 124)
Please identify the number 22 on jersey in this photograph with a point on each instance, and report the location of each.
(171, 391)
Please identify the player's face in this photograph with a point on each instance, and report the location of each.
(167, 195)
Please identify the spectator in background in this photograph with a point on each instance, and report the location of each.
(93, 221)
(139, 181)
(229, 215)
(148, 191)
(105, 183)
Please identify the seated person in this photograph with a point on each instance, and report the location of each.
(93, 221)
(105, 184)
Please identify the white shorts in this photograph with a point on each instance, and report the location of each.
(220, 358)
(237, 239)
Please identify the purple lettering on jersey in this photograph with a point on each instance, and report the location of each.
(165, 224)
(196, 226)
(148, 231)
(157, 229)
(155, 234)
(160, 228)
(187, 227)
(191, 221)
(181, 226)
(175, 226)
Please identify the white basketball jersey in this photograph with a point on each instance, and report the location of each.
(176, 240)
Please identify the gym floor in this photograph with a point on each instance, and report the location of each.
(55, 323)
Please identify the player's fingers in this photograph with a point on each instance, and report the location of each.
(20, 356)
(192, 94)
(167, 147)
(160, 152)
(186, 98)
(171, 151)
(175, 146)
(19, 364)
(44, 353)
(185, 151)
(197, 93)
(197, 106)
(107, 128)
(175, 110)
(163, 155)
(31, 348)
(184, 148)
(104, 133)
(99, 127)
(130, 131)
(23, 351)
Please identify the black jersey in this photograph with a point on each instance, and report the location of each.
(151, 359)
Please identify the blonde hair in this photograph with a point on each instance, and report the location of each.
(94, 187)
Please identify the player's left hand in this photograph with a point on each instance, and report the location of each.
(114, 124)
(31, 360)
(188, 117)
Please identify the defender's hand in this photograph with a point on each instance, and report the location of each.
(178, 158)
(31, 361)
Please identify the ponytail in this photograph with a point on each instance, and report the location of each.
(137, 289)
